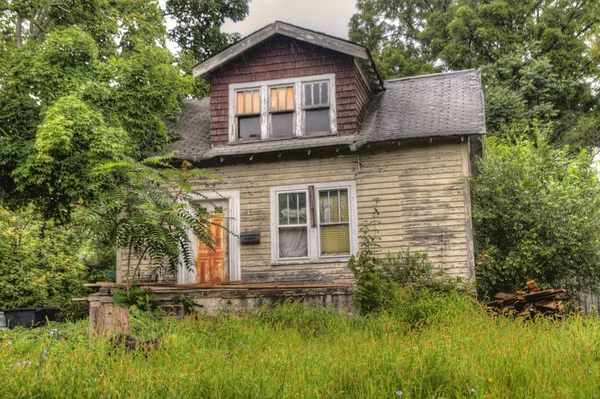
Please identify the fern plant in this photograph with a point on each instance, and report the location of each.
(149, 210)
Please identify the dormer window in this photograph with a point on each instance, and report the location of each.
(248, 114)
(282, 109)
(316, 107)
(281, 117)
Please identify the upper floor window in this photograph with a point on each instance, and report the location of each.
(281, 117)
(283, 108)
(316, 107)
(248, 113)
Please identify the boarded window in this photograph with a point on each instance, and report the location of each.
(282, 111)
(248, 102)
(334, 224)
(248, 113)
(282, 99)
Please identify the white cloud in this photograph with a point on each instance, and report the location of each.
(327, 16)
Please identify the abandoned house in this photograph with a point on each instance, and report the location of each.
(305, 134)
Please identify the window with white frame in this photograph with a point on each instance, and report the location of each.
(316, 107)
(281, 112)
(247, 113)
(283, 108)
(313, 223)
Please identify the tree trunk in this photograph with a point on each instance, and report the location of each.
(108, 321)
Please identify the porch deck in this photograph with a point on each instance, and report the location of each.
(234, 295)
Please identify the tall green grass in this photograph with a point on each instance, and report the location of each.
(428, 345)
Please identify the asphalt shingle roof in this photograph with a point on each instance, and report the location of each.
(446, 104)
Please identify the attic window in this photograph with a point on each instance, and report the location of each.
(283, 108)
(248, 114)
(282, 111)
(316, 107)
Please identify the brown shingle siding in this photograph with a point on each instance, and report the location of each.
(280, 58)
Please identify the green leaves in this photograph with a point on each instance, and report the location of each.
(536, 215)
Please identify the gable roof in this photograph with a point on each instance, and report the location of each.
(360, 53)
(438, 105)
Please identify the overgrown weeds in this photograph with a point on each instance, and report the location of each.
(439, 345)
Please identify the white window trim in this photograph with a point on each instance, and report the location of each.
(314, 250)
(233, 216)
(264, 104)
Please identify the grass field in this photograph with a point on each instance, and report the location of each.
(428, 345)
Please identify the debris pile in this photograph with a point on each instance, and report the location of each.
(547, 302)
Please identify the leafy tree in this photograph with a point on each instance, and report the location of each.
(536, 215)
(87, 89)
(197, 24)
(40, 262)
(540, 59)
(93, 85)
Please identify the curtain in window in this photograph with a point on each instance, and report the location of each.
(293, 242)
(293, 226)
(334, 224)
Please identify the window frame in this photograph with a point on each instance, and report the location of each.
(278, 112)
(265, 113)
(314, 234)
(277, 226)
(313, 107)
(237, 115)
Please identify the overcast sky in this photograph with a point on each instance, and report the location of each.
(327, 16)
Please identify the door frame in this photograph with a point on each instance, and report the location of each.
(233, 217)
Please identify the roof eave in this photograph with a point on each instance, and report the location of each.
(357, 51)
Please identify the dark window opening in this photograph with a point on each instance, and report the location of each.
(248, 127)
(282, 124)
(317, 121)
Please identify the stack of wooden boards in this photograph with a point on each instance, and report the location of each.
(547, 302)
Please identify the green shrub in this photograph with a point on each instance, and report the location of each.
(136, 296)
(407, 269)
(380, 280)
(40, 263)
(370, 284)
(536, 215)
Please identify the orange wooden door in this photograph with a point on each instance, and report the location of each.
(211, 266)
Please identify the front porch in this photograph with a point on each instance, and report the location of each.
(237, 296)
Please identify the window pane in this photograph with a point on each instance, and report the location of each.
(292, 208)
(308, 95)
(281, 99)
(293, 242)
(289, 95)
(317, 121)
(324, 93)
(255, 102)
(248, 127)
(274, 92)
(282, 125)
(333, 206)
(335, 240)
(302, 208)
(240, 102)
(248, 102)
(316, 94)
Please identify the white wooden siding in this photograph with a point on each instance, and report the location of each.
(424, 205)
